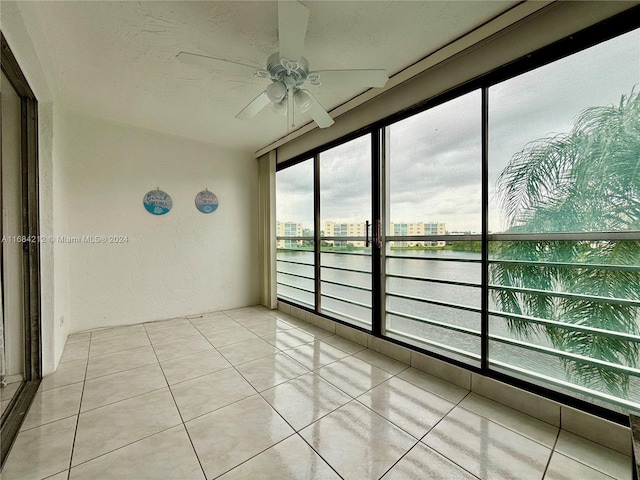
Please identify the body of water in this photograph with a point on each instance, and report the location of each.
(347, 277)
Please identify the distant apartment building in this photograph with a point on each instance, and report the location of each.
(288, 229)
(336, 229)
(404, 229)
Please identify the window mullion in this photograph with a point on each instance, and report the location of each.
(484, 279)
(316, 232)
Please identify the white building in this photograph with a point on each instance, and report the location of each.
(288, 229)
(341, 229)
(406, 229)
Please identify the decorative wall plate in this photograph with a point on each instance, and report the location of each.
(206, 202)
(157, 202)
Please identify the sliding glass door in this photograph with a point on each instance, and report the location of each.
(345, 179)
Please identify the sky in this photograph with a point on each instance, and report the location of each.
(434, 165)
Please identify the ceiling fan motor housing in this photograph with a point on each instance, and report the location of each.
(283, 68)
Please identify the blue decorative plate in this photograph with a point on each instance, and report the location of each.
(157, 202)
(206, 202)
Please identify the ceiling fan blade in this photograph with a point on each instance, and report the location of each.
(318, 113)
(218, 64)
(254, 107)
(363, 78)
(293, 18)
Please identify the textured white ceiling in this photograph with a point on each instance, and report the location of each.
(117, 60)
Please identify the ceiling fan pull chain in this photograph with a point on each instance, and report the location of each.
(290, 107)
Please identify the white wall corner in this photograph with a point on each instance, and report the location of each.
(51, 333)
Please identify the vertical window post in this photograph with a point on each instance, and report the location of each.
(316, 231)
(484, 279)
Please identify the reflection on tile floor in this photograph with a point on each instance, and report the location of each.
(254, 393)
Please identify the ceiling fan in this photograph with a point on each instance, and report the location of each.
(289, 71)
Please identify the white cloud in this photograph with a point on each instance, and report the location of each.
(436, 155)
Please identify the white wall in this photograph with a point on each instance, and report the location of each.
(181, 263)
(93, 176)
(53, 268)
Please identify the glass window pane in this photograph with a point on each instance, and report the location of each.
(294, 233)
(564, 143)
(294, 200)
(346, 284)
(434, 178)
(564, 158)
(345, 209)
(435, 170)
(345, 188)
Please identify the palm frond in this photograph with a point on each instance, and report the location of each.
(584, 180)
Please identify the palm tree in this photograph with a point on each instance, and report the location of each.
(585, 181)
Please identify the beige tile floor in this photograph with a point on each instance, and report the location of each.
(252, 393)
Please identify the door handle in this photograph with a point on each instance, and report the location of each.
(367, 242)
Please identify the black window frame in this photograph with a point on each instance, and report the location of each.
(612, 27)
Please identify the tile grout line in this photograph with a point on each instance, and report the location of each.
(118, 448)
(88, 357)
(394, 423)
(318, 453)
(184, 426)
(75, 433)
(401, 457)
(506, 426)
(434, 426)
(455, 405)
(553, 449)
(199, 376)
(309, 371)
(580, 461)
(253, 456)
(312, 371)
(124, 446)
(351, 397)
(296, 431)
(117, 351)
(126, 369)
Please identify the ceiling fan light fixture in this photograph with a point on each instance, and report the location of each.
(303, 100)
(276, 91)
